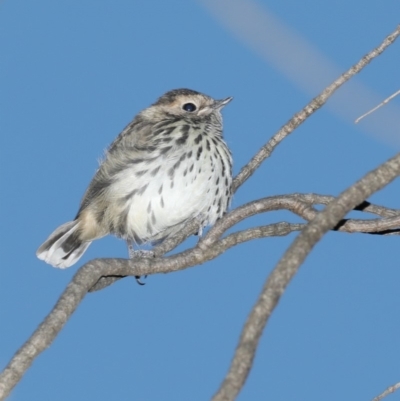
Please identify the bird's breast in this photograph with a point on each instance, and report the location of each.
(153, 198)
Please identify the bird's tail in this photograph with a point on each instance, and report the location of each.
(63, 248)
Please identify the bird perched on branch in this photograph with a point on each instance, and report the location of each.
(167, 167)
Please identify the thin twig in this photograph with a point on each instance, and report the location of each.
(388, 391)
(387, 100)
(303, 114)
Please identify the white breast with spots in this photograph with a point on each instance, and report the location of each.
(189, 180)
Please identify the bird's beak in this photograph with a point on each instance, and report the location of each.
(219, 104)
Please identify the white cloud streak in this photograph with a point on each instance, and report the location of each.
(305, 65)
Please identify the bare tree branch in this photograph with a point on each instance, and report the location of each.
(99, 273)
(288, 267)
(271, 230)
(315, 199)
(300, 204)
(295, 204)
(88, 276)
(388, 391)
(313, 106)
(166, 246)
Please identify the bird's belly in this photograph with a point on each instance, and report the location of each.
(158, 202)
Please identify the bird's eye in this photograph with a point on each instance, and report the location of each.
(189, 107)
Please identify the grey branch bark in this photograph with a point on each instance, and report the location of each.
(313, 106)
(99, 273)
(388, 391)
(288, 266)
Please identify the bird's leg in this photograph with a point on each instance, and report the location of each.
(133, 254)
(199, 220)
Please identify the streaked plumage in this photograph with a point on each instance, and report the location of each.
(169, 165)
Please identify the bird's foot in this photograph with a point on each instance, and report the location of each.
(134, 254)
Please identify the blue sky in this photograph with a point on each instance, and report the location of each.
(74, 73)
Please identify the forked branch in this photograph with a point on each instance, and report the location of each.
(288, 266)
(99, 273)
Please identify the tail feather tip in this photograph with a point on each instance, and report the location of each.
(63, 248)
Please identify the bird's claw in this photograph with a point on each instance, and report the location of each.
(138, 280)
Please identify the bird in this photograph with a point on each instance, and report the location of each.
(168, 166)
